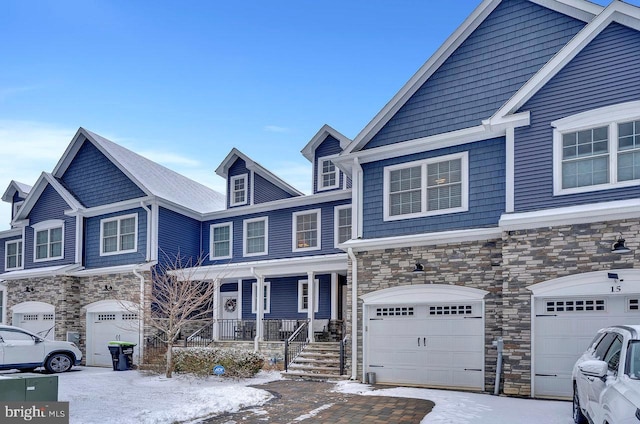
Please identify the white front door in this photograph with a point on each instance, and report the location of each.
(433, 345)
(229, 324)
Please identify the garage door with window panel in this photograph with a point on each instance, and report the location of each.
(108, 322)
(36, 317)
(564, 325)
(433, 345)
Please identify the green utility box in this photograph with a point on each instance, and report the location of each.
(28, 387)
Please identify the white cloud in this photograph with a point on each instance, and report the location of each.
(28, 148)
(276, 129)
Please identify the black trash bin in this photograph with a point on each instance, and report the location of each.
(121, 355)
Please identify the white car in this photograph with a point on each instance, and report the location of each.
(25, 351)
(606, 378)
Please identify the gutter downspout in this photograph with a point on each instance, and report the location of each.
(354, 314)
(141, 315)
(356, 199)
(499, 345)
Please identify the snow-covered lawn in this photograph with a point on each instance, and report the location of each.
(100, 395)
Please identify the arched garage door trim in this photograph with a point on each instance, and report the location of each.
(427, 334)
(111, 320)
(554, 309)
(32, 307)
(37, 317)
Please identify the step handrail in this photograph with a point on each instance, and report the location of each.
(297, 341)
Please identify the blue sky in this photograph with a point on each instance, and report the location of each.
(184, 82)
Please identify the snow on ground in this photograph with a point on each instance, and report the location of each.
(462, 407)
(101, 395)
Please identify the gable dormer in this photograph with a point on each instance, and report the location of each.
(326, 145)
(15, 194)
(249, 183)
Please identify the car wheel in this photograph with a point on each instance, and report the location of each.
(58, 362)
(578, 416)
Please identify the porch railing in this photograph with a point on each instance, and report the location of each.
(202, 337)
(295, 343)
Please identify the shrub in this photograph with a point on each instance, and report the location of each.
(201, 360)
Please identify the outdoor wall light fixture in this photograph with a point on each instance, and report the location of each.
(29, 289)
(418, 269)
(108, 288)
(619, 247)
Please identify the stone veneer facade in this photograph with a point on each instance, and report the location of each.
(69, 295)
(505, 268)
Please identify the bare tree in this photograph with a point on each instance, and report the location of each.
(178, 299)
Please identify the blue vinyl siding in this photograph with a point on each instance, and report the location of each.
(92, 258)
(486, 193)
(513, 43)
(330, 146)
(94, 180)
(16, 198)
(3, 258)
(604, 73)
(229, 287)
(178, 234)
(280, 236)
(50, 205)
(284, 298)
(239, 167)
(265, 191)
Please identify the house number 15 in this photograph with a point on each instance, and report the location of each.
(616, 289)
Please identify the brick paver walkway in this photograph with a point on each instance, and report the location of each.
(313, 402)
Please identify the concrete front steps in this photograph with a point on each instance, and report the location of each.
(317, 361)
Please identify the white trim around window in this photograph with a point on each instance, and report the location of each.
(339, 224)
(49, 248)
(16, 256)
(16, 207)
(256, 235)
(303, 293)
(119, 235)
(597, 140)
(267, 297)
(306, 230)
(414, 193)
(327, 174)
(217, 246)
(238, 190)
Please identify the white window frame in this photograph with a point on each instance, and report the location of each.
(609, 116)
(464, 169)
(232, 191)
(301, 284)
(119, 250)
(336, 223)
(294, 231)
(266, 236)
(320, 174)
(19, 254)
(49, 225)
(267, 297)
(212, 241)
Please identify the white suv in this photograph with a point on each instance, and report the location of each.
(23, 350)
(606, 378)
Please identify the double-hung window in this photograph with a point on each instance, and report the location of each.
(239, 190)
(306, 230)
(118, 235)
(13, 255)
(427, 187)
(342, 218)
(256, 237)
(49, 243)
(597, 149)
(221, 240)
(327, 174)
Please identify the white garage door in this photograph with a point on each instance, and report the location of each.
(431, 345)
(109, 326)
(564, 326)
(37, 317)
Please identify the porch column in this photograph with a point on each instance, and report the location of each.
(217, 310)
(311, 294)
(259, 308)
(334, 296)
(239, 301)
